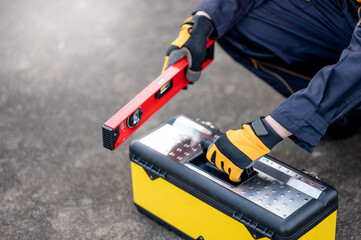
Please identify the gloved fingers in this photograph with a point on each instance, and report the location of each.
(195, 63)
(235, 175)
(233, 171)
(228, 166)
(167, 57)
(183, 36)
(224, 164)
(220, 161)
(191, 42)
(193, 76)
(165, 64)
(212, 154)
(173, 56)
(217, 158)
(176, 55)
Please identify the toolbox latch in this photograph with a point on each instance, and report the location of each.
(152, 171)
(256, 230)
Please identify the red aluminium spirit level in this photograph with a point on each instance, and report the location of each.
(128, 119)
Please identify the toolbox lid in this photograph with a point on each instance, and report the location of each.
(279, 202)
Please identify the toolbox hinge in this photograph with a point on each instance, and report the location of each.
(152, 171)
(256, 230)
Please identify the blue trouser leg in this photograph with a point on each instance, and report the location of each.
(286, 42)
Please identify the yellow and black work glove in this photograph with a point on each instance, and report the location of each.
(237, 149)
(191, 43)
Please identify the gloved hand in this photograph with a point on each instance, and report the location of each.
(191, 43)
(237, 149)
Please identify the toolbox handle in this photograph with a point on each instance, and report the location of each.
(205, 144)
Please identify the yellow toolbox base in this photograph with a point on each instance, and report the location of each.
(197, 219)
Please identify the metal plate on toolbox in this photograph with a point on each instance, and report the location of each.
(273, 195)
(179, 141)
(275, 188)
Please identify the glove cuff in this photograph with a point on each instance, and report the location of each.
(265, 132)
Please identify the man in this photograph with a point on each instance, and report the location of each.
(308, 50)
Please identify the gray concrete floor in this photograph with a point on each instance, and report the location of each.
(65, 68)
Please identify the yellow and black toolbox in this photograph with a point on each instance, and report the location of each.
(175, 185)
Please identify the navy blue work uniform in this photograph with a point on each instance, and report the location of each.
(309, 51)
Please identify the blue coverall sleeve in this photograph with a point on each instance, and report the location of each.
(226, 13)
(333, 91)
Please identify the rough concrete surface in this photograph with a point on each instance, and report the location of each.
(66, 67)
